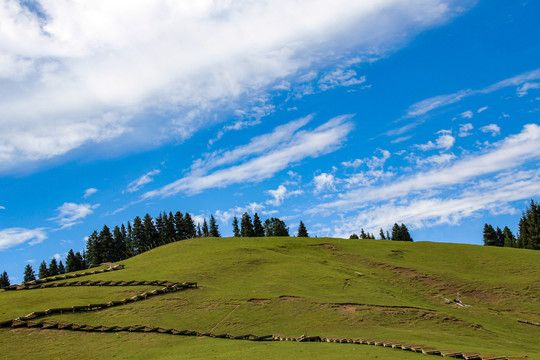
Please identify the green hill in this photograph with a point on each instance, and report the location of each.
(333, 287)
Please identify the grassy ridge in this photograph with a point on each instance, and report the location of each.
(370, 288)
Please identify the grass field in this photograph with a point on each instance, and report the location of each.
(332, 287)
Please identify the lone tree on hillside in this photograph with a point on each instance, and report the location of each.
(490, 236)
(529, 228)
(353, 236)
(275, 227)
(4, 280)
(236, 230)
(214, 232)
(302, 231)
(29, 273)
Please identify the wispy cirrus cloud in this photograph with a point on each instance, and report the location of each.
(70, 214)
(16, 236)
(79, 65)
(89, 192)
(263, 161)
(483, 181)
(138, 183)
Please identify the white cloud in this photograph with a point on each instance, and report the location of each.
(94, 71)
(89, 192)
(2, 208)
(509, 153)
(372, 162)
(445, 141)
(467, 114)
(338, 78)
(436, 160)
(280, 194)
(494, 129)
(135, 185)
(300, 145)
(464, 129)
(70, 214)
(324, 181)
(524, 89)
(482, 109)
(15, 236)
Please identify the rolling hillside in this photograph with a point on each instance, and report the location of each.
(386, 290)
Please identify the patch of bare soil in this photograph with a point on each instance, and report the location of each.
(327, 246)
(288, 297)
(259, 301)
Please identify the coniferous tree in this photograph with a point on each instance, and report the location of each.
(81, 261)
(509, 238)
(246, 226)
(61, 268)
(275, 227)
(381, 233)
(199, 232)
(70, 262)
(236, 230)
(179, 225)
(353, 236)
(43, 271)
(205, 232)
(302, 231)
(170, 230)
(500, 237)
(93, 248)
(160, 228)
(107, 244)
(404, 233)
(151, 234)
(190, 231)
(29, 274)
(396, 232)
(362, 234)
(388, 237)
(490, 236)
(138, 236)
(119, 245)
(4, 280)
(128, 235)
(53, 267)
(529, 227)
(258, 229)
(214, 228)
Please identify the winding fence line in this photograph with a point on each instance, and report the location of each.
(28, 321)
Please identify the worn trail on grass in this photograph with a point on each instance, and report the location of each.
(168, 286)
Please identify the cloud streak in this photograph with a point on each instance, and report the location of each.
(16, 236)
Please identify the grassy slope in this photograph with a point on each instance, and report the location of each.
(296, 286)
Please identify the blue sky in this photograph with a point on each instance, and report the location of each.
(344, 115)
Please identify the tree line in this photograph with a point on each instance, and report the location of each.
(528, 236)
(399, 233)
(125, 241)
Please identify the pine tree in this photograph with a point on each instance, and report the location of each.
(107, 243)
(529, 227)
(53, 267)
(388, 237)
(353, 236)
(258, 229)
(275, 227)
(43, 271)
(71, 262)
(179, 226)
(128, 235)
(302, 231)
(190, 231)
(4, 280)
(396, 232)
(170, 230)
(29, 274)
(509, 238)
(490, 236)
(160, 228)
(362, 234)
(81, 261)
(214, 228)
(381, 233)
(236, 230)
(500, 237)
(199, 232)
(119, 244)
(205, 232)
(151, 234)
(61, 268)
(246, 226)
(404, 233)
